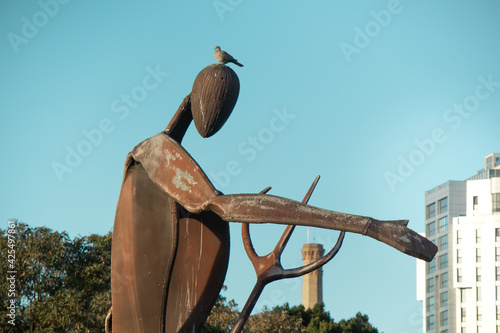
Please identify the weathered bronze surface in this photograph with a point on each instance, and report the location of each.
(171, 236)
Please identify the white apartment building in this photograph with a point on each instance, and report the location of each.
(460, 287)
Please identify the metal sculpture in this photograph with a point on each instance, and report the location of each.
(170, 245)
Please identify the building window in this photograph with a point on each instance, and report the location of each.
(475, 202)
(497, 273)
(497, 296)
(489, 163)
(442, 205)
(464, 330)
(478, 254)
(459, 237)
(463, 315)
(431, 267)
(497, 234)
(443, 242)
(430, 285)
(478, 294)
(443, 261)
(443, 224)
(478, 274)
(497, 253)
(430, 210)
(459, 256)
(430, 303)
(462, 295)
(459, 275)
(431, 229)
(443, 298)
(498, 312)
(444, 318)
(479, 313)
(478, 236)
(495, 202)
(444, 331)
(444, 280)
(430, 322)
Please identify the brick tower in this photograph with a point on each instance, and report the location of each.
(312, 283)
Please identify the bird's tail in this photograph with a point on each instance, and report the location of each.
(237, 63)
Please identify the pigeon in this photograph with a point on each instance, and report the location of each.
(223, 57)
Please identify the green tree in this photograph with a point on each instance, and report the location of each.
(62, 285)
(357, 324)
(224, 316)
(277, 320)
(317, 320)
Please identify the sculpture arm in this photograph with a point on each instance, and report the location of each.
(259, 208)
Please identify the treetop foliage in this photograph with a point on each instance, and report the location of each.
(285, 319)
(62, 285)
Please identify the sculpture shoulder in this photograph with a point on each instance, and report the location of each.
(171, 167)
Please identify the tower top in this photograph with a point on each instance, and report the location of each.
(312, 252)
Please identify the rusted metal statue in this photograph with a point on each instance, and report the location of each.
(171, 233)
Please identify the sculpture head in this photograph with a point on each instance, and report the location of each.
(213, 97)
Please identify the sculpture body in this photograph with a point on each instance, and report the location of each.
(157, 244)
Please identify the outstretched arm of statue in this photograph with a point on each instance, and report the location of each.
(262, 208)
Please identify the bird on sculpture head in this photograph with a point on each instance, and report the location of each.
(223, 57)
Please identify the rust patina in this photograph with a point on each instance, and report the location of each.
(171, 234)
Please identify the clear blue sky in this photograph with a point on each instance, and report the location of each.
(383, 99)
